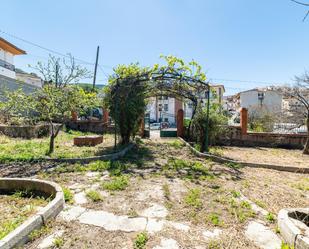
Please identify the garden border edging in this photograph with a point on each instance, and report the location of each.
(245, 164)
(290, 232)
(20, 235)
(112, 156)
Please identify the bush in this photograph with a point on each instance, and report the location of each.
(217, 125)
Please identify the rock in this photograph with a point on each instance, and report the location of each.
(113, 222)
(80, 198)
(257, 209)
(154, 225)
(155, 211)
(71, 213)
(92, 174)
(151, 192)
(179, 226)
(167, 244)
(48, 242)
(208, 235)
(77, 186)
(262, 236)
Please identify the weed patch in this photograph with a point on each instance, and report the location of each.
(140, 241)
(193, 198)
(94, 195)
(117, 183)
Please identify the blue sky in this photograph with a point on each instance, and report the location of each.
(240, 43)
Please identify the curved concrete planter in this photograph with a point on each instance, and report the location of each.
(48, 189)
(113, 156)
(245, 164)
(292, 230)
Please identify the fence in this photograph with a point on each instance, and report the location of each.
(240, 136)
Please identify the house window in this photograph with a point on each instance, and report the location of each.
(165, 107)
(261, 95)
(165, 119)
(165, 97)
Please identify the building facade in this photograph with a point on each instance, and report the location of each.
(7, 53)
(266, 99)
(165, 109)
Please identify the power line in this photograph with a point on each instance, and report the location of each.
(44, 48)
(246, 81)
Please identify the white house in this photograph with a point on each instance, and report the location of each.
(264, 98)
(7, 53)
(165, 109)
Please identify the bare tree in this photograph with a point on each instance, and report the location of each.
(300, 93)
(61, 71)
(303, 4)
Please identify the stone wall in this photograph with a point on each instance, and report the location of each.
(95, 126)
(25, 131)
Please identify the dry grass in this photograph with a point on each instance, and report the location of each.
(200, 193)
(264, 155)
(15, 209)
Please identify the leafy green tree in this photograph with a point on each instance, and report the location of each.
(54, 104)
(217, 125)
(125, 98)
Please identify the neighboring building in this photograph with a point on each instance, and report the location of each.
(7, 53)
(31, 79)
(263, 98)
(230, 103)
(165, 109)
(216, 96)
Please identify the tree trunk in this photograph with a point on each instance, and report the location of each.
(306, 149)
(53, 134)
(52, 139)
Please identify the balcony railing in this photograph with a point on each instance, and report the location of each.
(7, 65)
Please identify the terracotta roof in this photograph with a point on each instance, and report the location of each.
(7, 46)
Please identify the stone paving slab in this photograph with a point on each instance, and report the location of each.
(262, 236)
(71, 213)
(111, 222)
(167, 244)
(155, 211)
(48, 242)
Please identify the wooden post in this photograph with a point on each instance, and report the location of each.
(142, 127)
(180, 126)
(105, 116)
(244, 121)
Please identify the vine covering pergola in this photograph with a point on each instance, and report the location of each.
(131, 85)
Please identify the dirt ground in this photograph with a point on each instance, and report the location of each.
(197, 196)
(264, 155)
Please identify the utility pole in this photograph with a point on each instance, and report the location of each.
(207, 120)
(96, 67)
(57, 72)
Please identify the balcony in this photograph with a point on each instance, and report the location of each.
(7, 65)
